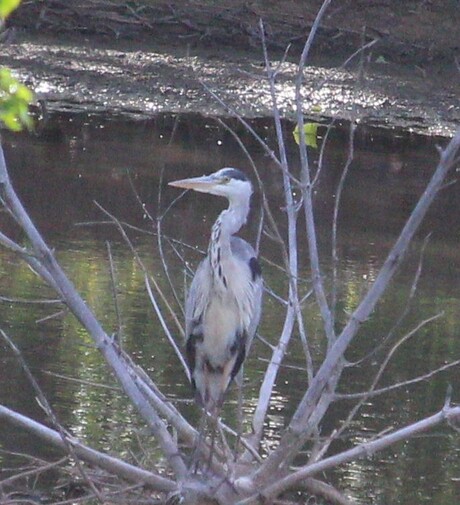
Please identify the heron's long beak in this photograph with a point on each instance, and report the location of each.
(203, 184)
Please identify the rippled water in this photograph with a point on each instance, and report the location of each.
(77, 161)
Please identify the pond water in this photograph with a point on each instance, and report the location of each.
(124, 165)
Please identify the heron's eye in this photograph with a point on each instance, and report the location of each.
(226, 179)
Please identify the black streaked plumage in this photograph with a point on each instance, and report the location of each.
(223, 306)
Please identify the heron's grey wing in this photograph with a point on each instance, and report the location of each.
(195, 305)
(197, 298)
(245, 253)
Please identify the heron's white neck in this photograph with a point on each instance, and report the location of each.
(227, 224)
(232, 219)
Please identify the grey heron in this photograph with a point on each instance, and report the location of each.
(223, 306)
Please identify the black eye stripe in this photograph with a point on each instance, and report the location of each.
(234, 173)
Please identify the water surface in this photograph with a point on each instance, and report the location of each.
(124, 167)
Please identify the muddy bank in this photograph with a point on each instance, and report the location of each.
(77, 70)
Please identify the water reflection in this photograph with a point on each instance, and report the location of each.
(60, 173)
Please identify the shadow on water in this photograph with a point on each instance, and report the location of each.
(79, 160)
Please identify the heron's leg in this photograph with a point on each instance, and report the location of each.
(213, 421)
(197, 448)
(239, 411)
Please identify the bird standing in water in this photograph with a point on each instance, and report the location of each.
(223, 306)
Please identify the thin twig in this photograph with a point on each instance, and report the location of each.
(50, 269)
(307, 187)
(363, 450)
(341, 185)
(397, 385)
(113, 281)
(405, 311)
(292, 266)
(335, 220)
(26, 301)
(112, 465)
(43, 402)
(299, 426)
(82, 381)
(372, 391)
(160, 239)
(142, 266)
(44, 467)
(166, 329)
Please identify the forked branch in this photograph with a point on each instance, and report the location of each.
(448, 414)
(42, 259)
(300, 424)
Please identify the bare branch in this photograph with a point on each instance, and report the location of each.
(113, 281)
(246, 125)
(320, 488)
(337, 200)
(307, 187)
(270, 378)
(81, 381)
(108, 463)
(447, 414)
(27, 255)
(300, 424)
(26, 301)
(398, 385)
(159, 232)
(142, 266)
(371, 390)
(159, 401)
(43, 402)
(405, 311)
(43, 467)
(293, 311)
(166, 329)
(52, 270)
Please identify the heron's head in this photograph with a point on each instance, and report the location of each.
(228, 182)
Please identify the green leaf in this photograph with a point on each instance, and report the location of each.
(24, 93)
(7, 7)
(14, 102)
(310, 131)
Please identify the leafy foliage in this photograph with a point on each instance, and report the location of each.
(14, 96)
(14, 102)
(7, 7)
